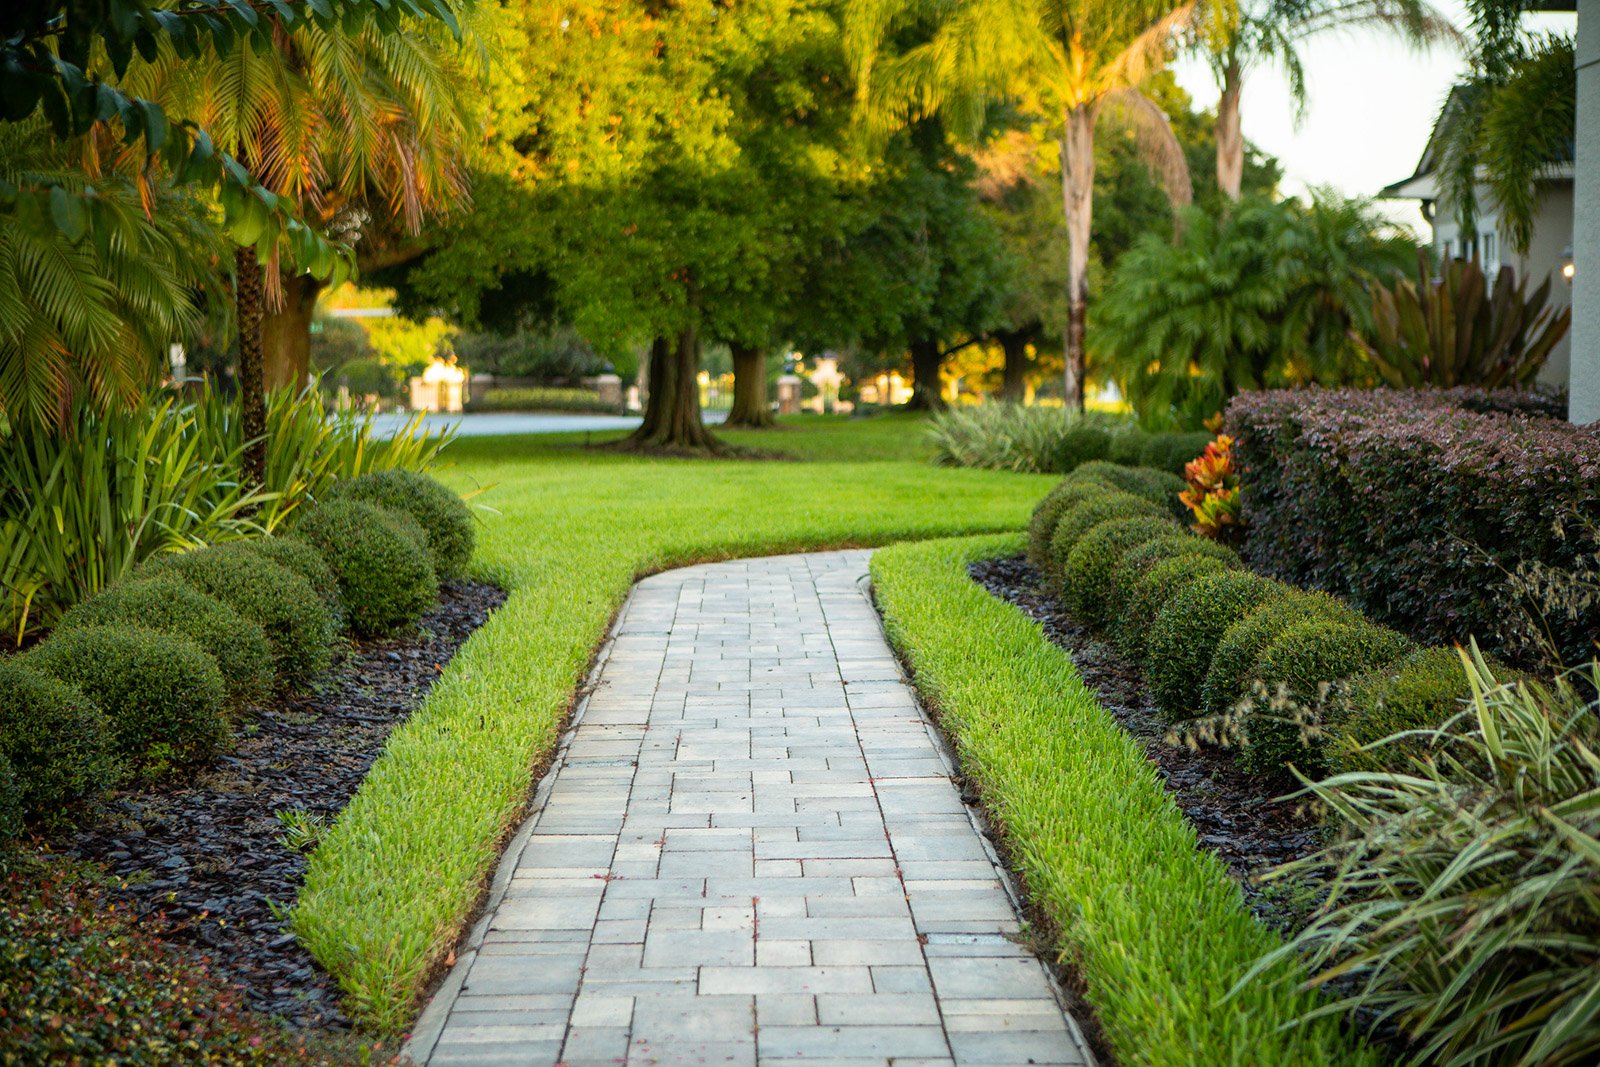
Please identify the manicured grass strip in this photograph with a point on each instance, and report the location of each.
(1157, 929)
(392, 885)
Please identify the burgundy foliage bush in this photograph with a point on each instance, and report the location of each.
(1417, 506)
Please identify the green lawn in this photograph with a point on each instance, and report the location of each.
(399, 873)
(1158, 931)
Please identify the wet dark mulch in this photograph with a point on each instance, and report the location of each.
(207, 850)
(1237, 815)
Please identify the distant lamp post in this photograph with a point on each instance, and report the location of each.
(1568, 267)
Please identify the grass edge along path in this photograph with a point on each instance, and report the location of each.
(400, 872)
(1154, 925)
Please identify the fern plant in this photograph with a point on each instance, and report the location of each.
(1454, 329)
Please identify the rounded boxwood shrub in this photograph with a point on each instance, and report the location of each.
(1233, 663)
(56, 739)
(162, 693)
(1078, 519)
(1080, 445)
(240, 646)
(385, 577)
(444, 516)
(1186, 632)
(297, 622)
(1046, 513)
(295, 555)
(1420, 691)
(10, 802)
(1158, 487)
(1127, 446)
(1091, 566)
(1139, 606)
(1303, 662)
(1138, 560)
(1171, 452)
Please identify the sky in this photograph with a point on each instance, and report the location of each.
(1372, 104)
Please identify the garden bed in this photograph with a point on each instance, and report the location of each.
(209, 852)
(1239, 817)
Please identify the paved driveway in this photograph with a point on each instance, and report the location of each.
(489, 424)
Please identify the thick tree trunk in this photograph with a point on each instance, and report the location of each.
(1014, 343)
(286, 334)
(925, 392)
(750, 406)
(1230, 139)
(672, 412)
(1077, 196)
(252, 385)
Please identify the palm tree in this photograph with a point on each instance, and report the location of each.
(87, 309)
(1061, 62)
(364, 131)
(1234, 38)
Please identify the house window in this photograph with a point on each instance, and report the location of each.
(1491, 252)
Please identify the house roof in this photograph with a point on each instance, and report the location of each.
(1423, 184)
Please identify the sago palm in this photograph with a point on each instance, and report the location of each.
(1233, 39)
(1061, 62)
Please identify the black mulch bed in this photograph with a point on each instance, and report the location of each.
(1239, 816)
(204, 849)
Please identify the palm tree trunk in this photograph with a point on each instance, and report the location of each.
(750, 408)
(252, 383)
(1077, 196)
(1230, 138)
(286, 334)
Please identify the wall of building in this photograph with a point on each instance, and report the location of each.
(1585, 379)
(1552, 241)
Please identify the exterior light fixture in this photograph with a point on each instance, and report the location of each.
(1568, 268)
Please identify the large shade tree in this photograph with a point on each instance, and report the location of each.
(1061, 62)
(1234, 38)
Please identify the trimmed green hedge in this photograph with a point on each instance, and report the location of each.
(240, 646)
(297, 622)
(162, 693)
(57, 741)
(386, 580)
(1092, 564)
(1154, 926)
(1188, 629)
(443, 516)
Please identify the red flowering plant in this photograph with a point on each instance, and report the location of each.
(1213, 493)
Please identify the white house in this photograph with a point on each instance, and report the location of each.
(1550, 252)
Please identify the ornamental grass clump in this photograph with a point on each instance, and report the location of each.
(162, 693)
(297, 622)
(1092, 564)
(240, 646)
(1189, 627)
(57, 741)
(1462, 908)
(385, 577)
(442, 514)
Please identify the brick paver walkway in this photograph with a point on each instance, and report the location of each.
(751, 851)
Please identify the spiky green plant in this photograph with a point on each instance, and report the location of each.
(1463, 906)
(1007, 437)
(1454, 329)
